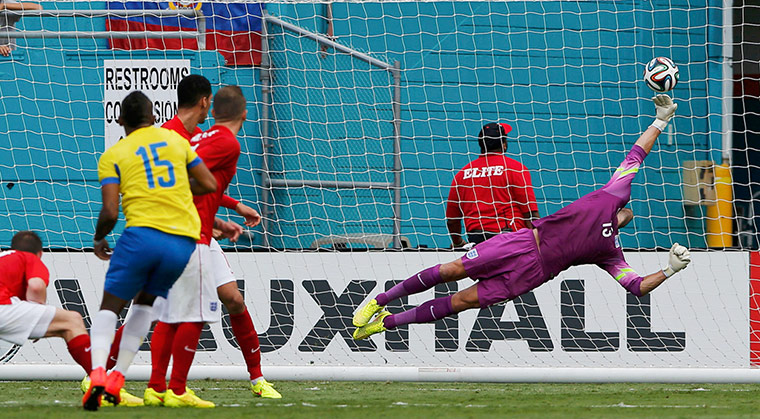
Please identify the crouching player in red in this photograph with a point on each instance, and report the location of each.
(193, 299)
(23, 293)
(150, 168)
(511, 264)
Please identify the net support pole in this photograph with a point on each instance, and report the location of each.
(396, 71)
(265, 75)
(728, 81)
(201, 26)
(266, 80)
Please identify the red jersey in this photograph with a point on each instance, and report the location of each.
(492, 193)
(16, 269)
(176, 125)
(219, 150)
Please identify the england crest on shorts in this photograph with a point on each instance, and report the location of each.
(472, 254)
(214, 305)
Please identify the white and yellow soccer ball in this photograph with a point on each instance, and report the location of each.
(661, 74)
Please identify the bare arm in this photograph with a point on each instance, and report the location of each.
(455, 231)
(651, 282)
(109, 213)
(203, 181)
(678, 258)
(530, 217)
(107, 218)
(36, 291)
(646, 141)
(665, 109)
(252, 217)
(20, 6)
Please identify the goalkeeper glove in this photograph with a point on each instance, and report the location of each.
(678, 259)
(666, 109)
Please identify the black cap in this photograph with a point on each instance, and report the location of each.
(493, 135)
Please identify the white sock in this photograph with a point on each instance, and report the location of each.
(256, 380)
(135, 329)
(101, 337)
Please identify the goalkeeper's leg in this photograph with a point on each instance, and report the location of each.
(421, 281)
(426, 312)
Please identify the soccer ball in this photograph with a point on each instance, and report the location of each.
(661, 74)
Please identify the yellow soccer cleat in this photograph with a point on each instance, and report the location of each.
(370, 329)
(127, 400)
(153, 398)
(364, 314)
(186, 400)
(265, 389)
(85, 384)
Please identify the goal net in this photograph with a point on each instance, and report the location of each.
(360, 115)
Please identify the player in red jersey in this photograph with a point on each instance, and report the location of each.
(190, 305)
(23, 293)
(493, 193)
(194, 100)
(219, 148)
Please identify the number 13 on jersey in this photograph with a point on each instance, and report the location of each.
(163, 181)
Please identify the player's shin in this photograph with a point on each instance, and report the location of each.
(135, 329)
(426, 312)
(418, 282)
(248, 339)
(79, 347)
(114, 348)
(160, 354)
(101, 336)
(183, 352)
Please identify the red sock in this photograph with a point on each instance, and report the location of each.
(248, 339)
(187, 337)
(79, 348)
(114, 349)
(160, 354)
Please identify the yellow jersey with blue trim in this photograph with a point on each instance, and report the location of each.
(150, 165)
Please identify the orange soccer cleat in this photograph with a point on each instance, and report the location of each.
(114, 383)
(91, 399)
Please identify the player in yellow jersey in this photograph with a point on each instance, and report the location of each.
(151, 169)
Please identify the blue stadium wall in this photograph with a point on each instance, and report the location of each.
(460, 79)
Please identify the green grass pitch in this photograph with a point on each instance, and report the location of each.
(319, 399)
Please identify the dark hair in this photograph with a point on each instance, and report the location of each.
(26, 241)
(136, 110)
(191, 89)
(492, 136)
(229, 103)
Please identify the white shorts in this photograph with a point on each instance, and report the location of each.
(193, 297)
(222, 271)
(22, 320)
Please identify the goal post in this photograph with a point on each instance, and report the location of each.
(359, 117)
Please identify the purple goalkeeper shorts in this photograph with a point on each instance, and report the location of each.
(506, 266)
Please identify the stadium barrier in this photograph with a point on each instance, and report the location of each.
(581, 326)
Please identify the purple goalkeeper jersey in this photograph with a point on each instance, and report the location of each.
(586, 231)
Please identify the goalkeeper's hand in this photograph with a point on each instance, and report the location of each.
(666, 109)
(678, 259)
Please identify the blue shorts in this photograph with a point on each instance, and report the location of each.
(146, 259)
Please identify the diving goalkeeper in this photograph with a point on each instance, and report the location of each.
(510, 264)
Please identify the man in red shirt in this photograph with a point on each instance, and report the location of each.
(23, 293)
(187, 308)
(194, 98)
(493, 193)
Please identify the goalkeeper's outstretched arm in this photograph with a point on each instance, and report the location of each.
(666, 109)
(678, 259)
